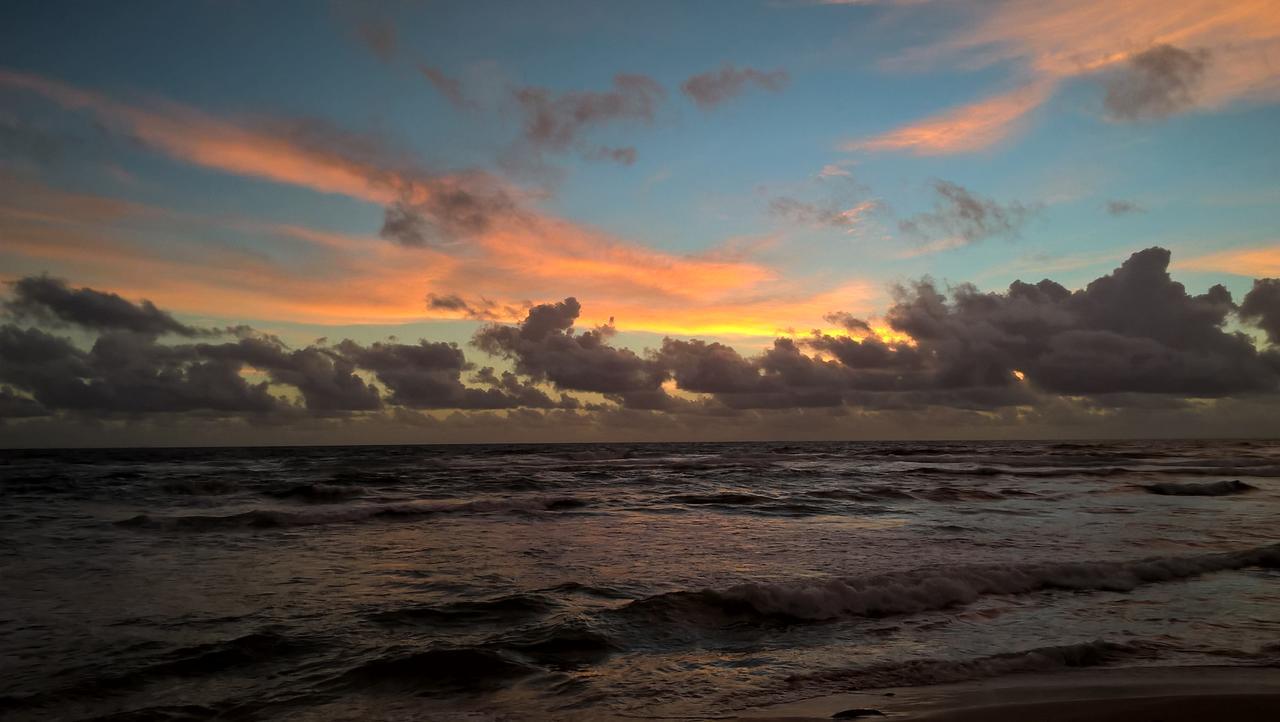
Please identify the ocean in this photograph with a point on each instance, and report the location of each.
(616, 580)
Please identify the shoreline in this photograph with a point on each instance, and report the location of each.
(1132, 694)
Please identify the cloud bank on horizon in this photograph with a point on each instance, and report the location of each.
(712, 221)
(1035, 354)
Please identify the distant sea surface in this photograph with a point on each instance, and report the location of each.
(595, 581)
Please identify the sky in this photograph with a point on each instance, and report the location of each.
(404, 222)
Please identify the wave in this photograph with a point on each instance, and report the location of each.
(928, 590)
(441, 669)
(510, 608)
(587, 590)
(278, 518)
(1055, 472)
(721, 499)
(201, 487)
(316, 493)
(939, 493)
(191, 662)
(563, 645)
(751, 503)
(1217, 488)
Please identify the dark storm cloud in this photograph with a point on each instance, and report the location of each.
(1261, 307)
(1123, 208)
(519, 393)
(545, 346)
(326, 379)
(966, 217)
(51, 299)
(715, 87)
(1126, 336)
(1135, 330)
(555, 121)
(14, 406)
(427, 375)
(1132, 344)
(125, 373)
(1156, 83)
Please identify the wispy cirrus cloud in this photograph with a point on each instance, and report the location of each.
(965, 129)
(827, 215)
(1252, 261)
(1155, 59)
(452, 231)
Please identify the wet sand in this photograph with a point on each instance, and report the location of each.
(1231, 694)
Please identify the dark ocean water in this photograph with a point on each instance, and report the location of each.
(584, 582)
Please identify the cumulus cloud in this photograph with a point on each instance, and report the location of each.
(1156, 83)
(125, 373)
(1261, 306)
(1133, 341)
(545, 346)
(849, 322)
(961, 217)
(427, 375)
(51, 299)
(1135, 330)
(716, 87)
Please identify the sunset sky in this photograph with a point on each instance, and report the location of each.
(233, 222)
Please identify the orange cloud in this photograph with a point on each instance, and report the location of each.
(962, 130)
(191, 136)
(1259, 262)
(1059, 40)
(521, 254)
(338, 278)
(1067, 39)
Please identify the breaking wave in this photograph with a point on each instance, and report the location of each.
(443, 669)
(927, 590)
